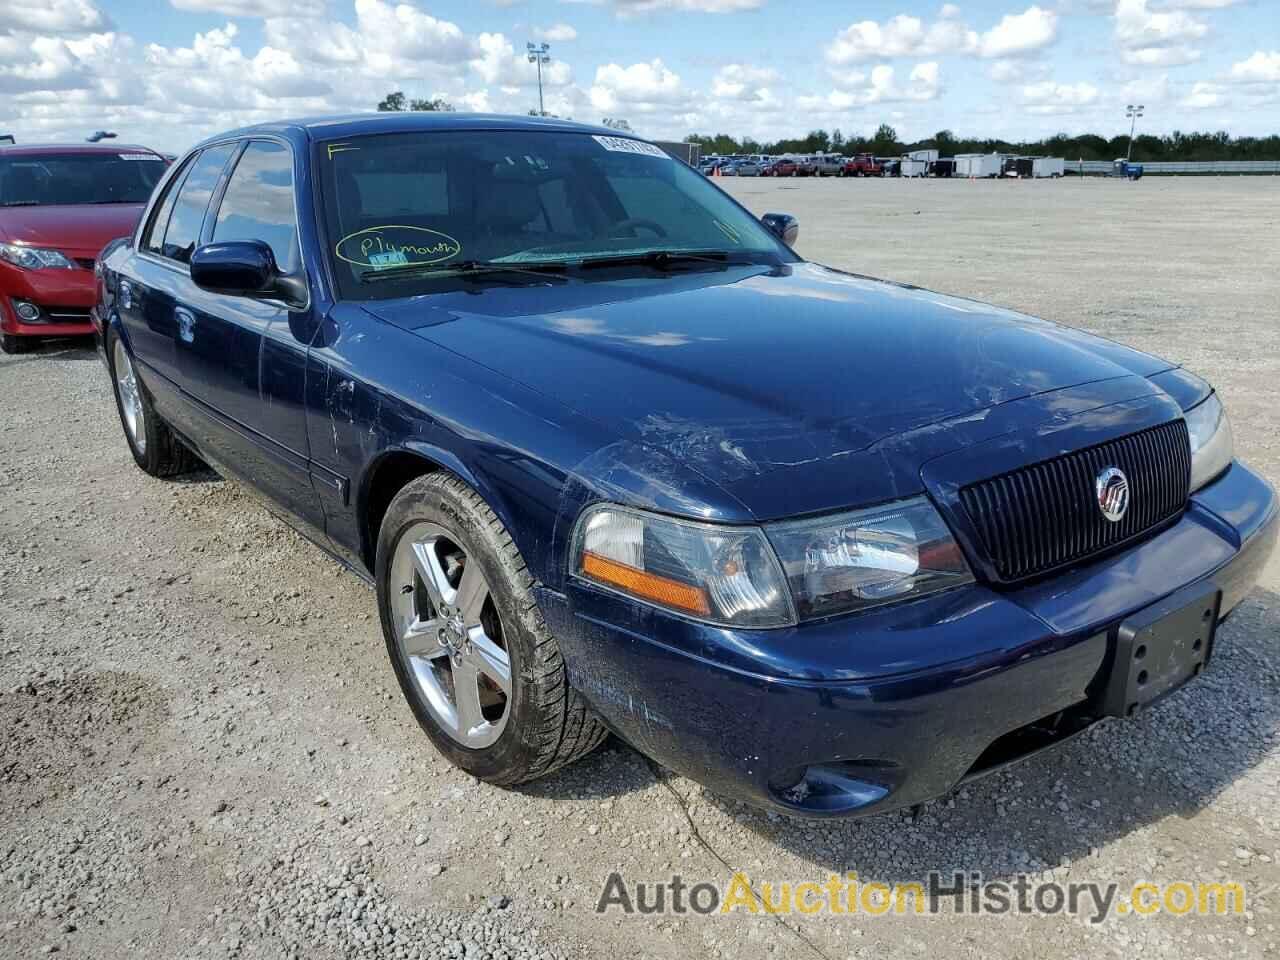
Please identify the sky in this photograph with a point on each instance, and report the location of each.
(168, 73)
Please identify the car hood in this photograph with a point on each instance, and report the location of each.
(755, 371)
(82, 228)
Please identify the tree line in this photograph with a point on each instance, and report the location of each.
(885, 143)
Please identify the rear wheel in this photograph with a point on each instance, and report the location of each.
(11, 343)
(155, 447)
(470, 650)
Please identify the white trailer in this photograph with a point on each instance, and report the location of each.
(926, 156)
(979, 164)
(1048, 167)
(912, 166)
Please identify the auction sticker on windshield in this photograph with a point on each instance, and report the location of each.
(396, 245)
(627, 145)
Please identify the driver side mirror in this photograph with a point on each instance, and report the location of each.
(784, 226)
(244, 268)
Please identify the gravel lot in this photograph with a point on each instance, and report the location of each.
(203, 752)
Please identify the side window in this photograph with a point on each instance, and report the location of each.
(153, 239)
(183, 232)
(258, 203)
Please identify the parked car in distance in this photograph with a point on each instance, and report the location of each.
(828, 165)
(59, 205)
(524, 403)
(747, 168)
(863, 165)
(783, 167)
(806, 167)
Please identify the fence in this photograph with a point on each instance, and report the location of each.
(1191, 168)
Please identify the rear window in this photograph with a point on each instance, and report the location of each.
(59, 179)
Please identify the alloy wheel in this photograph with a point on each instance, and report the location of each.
(449, 635)
(130, 398)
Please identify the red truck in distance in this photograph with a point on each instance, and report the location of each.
(863, 165)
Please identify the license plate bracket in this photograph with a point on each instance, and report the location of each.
(1160, 648)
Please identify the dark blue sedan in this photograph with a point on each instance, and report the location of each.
(616, 458)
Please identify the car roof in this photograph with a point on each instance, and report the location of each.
(42, 149)
(358, 124)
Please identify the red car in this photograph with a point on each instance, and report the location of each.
(59, 206)
(782, 168)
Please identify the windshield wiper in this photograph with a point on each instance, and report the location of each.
(19, 203)
(468, 269)
(661, 259)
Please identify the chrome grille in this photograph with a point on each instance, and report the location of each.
(1044, 516)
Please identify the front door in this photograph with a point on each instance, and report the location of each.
(243, 359)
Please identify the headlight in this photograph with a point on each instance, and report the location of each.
(723, 575)
(867, 557)
(34, 258)
(1211, 445)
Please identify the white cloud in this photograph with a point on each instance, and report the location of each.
(630, 8)
(644, 87)
(1178, 55)
(908, 36)
(52, 16)
(401, 33)
(501, 64)
(1016, 71)
(1019, 33)
(1049, 97)
(1156, 38)
(902, 36)
(1147, 89)
(557, 33)
(252, 8)
(202, 75)
(879, 86)
(1262, 67)
(1204, 96)
(744, 82)
(1198, 4)
(63, 86)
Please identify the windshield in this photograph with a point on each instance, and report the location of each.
(413, 207)
(55, 179)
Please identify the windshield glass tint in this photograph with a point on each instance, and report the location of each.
(432, 200)
(78, 178)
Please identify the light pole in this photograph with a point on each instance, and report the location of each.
(539, 54)
(1133, 113)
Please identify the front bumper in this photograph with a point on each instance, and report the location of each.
(63, 296)
(892, 707)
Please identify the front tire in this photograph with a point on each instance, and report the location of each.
(11, 343)
(474, 659)
(155, 447)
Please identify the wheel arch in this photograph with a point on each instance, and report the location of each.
(394, 468)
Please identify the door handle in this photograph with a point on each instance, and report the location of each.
(186, 324)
